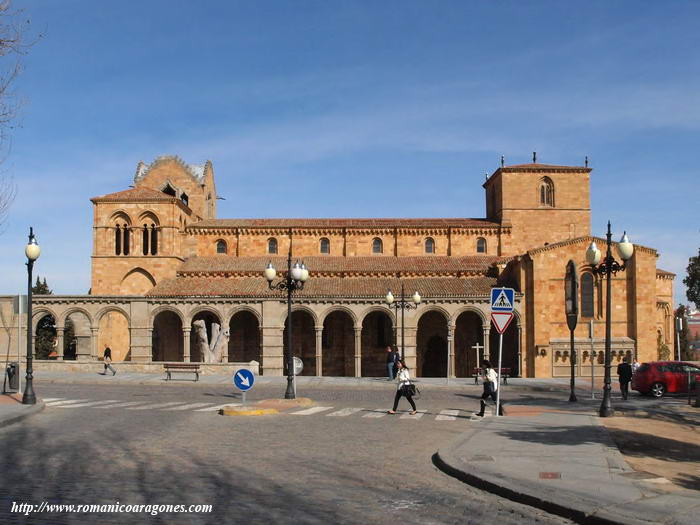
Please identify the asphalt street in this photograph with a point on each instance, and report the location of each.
(344, 462)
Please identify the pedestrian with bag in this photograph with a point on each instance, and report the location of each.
(404, 388)
(490, 380)
(107, 358)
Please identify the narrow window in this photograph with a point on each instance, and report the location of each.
(481, 245)
(325, 246)
(546, 192)
(377, 245)
(185, 199)
(154, 240)
(126, 240)
(221, 246)
(272, 246)
(587, 295)
(429, 245)
(118, 240)
(145, 240)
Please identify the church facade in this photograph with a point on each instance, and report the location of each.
(162, 260)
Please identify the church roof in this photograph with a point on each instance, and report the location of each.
(322, 287)
(537, 167)
(319, 264)
(134, 194)
(347, 223)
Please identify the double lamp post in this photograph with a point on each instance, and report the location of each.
(404, 304)
(607, 268)
(293, 281)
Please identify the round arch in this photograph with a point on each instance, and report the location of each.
(338, 343)
(77, 309)
(120, 215)
(244, 344)
(431, 343)
(245, 309)
(114, 332)
(209, 316)
(473, 309)
(333, 309)
(41, 312)
(107, 309)
(149, 215)
(468, 341)
(303, 338)
(377, 333)
(161, 309)
(167, 341)
(199, 309)
(137, 281)
(372, 309)
(300, 308)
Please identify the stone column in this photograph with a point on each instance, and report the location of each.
(319, 351)
(186, 344)
(487, 342)
(358, 351)
(60, 331)
(450, 351)
(94, 351)
(411, 348)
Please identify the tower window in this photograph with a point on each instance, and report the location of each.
(221, 246)
(272, 246)
(377, 246)
(150, 239)
(325, 245)
(546, 192)
(481, 245)
(185, 199)
(587, 299)
(429, 245)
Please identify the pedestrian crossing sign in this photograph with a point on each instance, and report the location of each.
(502, 299)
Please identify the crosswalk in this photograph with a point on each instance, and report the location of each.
(58, 402)
(324, 411)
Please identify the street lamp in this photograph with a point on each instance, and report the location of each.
(294, 280)
(609, 266)
(32, 251)
(404, 304)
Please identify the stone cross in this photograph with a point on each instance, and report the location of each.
(477, 347)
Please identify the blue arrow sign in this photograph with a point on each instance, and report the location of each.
(243, 379)
(502, 299)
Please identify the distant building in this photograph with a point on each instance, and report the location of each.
(162, 259)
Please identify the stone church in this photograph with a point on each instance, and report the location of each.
(162, 260)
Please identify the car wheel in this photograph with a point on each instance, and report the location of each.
(657, 390)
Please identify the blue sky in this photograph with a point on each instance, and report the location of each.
(354, 109)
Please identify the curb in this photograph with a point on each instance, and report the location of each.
(239, 411)
(35, 409)
(445, 460)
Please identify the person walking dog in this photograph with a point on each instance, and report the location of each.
(108, 361)
(404, 388)
(490, 380)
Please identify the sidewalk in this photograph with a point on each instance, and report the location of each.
(563, 461)
(142, 378)
(12, 410)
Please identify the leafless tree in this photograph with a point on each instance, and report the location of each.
(14, 28)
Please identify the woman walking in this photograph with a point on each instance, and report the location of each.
(108, 361)
(404, 387)
(490, 377)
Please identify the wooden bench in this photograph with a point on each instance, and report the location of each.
(181, 367)
(505, 372)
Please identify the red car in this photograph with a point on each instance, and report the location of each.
(660, 377)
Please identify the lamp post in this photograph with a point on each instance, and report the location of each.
(571, 307)
(32, 251)
(293, 281)
(609, 266)
(404, 304)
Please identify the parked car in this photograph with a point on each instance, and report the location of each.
(659, 377)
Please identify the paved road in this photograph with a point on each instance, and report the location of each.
(348, 463)
(312, 468)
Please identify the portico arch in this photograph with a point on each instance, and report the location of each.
(167, 337)
(303, 339)
(209, 317)
(376, 336)
(338, 344)
(469, 331)
(244, 343)
(431, 342)
(113, 331)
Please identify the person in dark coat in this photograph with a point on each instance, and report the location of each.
(624, 373)
(108, 361)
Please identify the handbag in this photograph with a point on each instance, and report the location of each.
(409, 389)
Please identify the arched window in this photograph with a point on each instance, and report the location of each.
(546, 192)
(481, 245)
(325, 245)
(150, 239)
(377, 245)
(587, 292)
(121, 239)
(185, 199)
(272, 245)
(221, 246)
(429, 245)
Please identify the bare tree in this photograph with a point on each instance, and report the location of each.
(13, 45)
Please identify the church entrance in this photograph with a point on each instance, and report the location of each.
(469, 342)
(338, 345)
(432, 345)
(376, 336)
(303, 341)
(244, 342)
(166, 341)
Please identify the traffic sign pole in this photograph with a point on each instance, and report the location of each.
(498, 389)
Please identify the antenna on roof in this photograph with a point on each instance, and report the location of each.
(486, 175)
(503, 161)
(534, 157)
(585, 162)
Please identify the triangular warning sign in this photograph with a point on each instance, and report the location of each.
(502, 301)
(501, 320)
